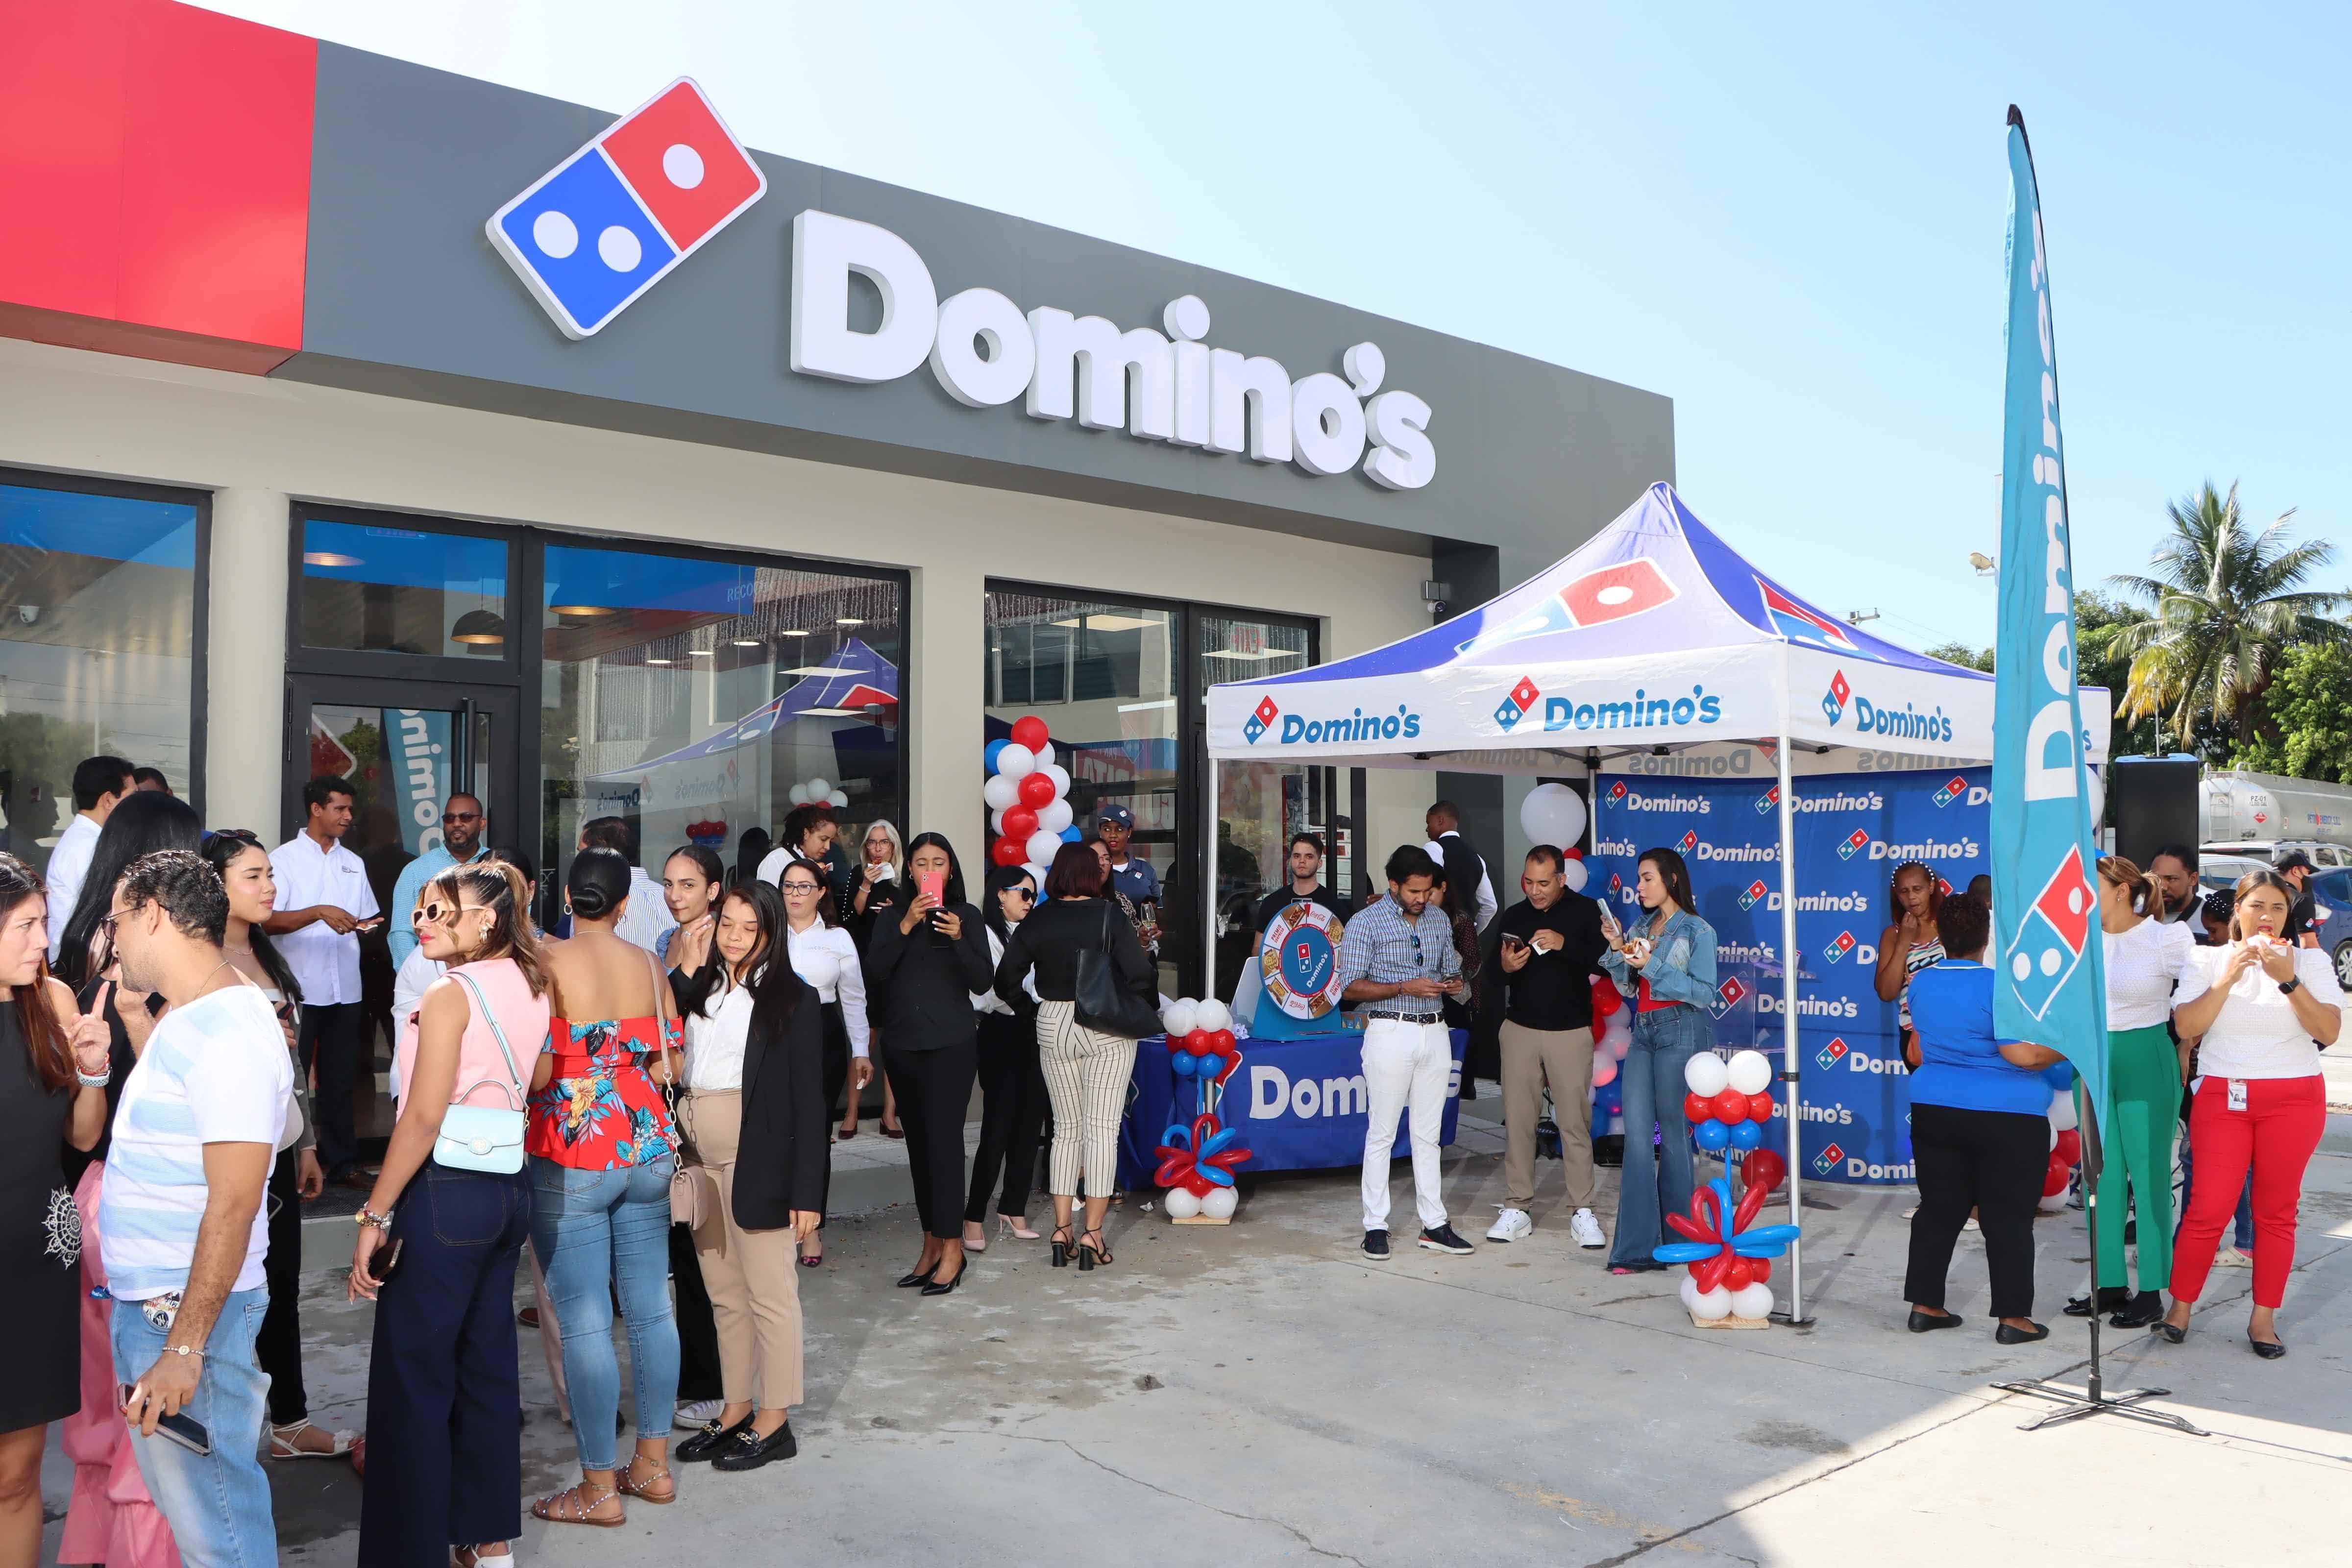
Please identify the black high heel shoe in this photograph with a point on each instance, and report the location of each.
(1063, 1239)
(1091, 1253)
(912, 1279)
(933, 1287)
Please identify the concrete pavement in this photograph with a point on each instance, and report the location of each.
(1260, 1393)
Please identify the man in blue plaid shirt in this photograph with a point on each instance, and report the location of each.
(1398, 958)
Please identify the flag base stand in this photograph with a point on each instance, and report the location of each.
(2077, 1402)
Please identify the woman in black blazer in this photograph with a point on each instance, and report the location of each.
(920, 971)
(756, 1113)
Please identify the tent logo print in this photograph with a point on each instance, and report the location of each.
(1261, 720)
(1840, 945)
(1728, 996)
(1689, 842)
(1827, 1160)
(1855, 843)
(1617, 790)
(1514, 706)
(1753, 891)
(1767, 801)
(1953, 787)
(1829, 1055)
(2052, 936)
(1833, 699)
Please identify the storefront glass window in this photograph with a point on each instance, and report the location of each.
(1104, 679)
(402, 590)
(98, 610)
(1259, 804)
(692, 697)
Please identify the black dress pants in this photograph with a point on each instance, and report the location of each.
(837, 1078)
(698, 1330)
(277, 1348)
(1994, 1162)
(331, 1048)
(934, 1090)
(1013, 1108)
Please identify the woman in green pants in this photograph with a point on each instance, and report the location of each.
(2145, 958)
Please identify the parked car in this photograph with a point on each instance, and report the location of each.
(2217, 871)
(2268, 850)
(2331, 922)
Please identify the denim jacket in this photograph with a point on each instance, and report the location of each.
(1681, 962)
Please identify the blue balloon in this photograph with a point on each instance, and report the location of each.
(1684, 1251)
(1211, 1064)
(1711, 1135)
(1071, 835)
(1185, 1063)
(1744, 1249)
(988, 757)
(1768, 1235)
(1177, 1136)
(1217, 1174)
(1746, 1135)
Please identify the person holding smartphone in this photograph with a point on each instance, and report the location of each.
(324, 901)
(1552, 947)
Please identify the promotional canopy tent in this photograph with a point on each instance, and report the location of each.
(1654, 637)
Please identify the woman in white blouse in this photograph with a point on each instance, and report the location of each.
(2257, 1010)
(2146, 959)
(823, 956)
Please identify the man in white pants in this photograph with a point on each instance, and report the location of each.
(1398, 955)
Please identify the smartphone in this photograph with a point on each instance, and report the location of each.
(1608, 926)
(374, 922)
(1510, 941)
(183, 1429)
(934, 883)
(386, 1262)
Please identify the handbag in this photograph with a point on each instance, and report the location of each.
(693, 1190)
(485, 1138)
(1102, 1004)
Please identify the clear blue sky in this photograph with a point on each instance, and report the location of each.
(1788, 219)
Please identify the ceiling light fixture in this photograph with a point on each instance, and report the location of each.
(482, 627)
(329, 558)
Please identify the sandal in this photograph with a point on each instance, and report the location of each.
(573, 1506)
(471, 1556)
(282, 1444)
(626, 1482)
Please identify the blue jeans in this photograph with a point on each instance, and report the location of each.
(597, 1232)
(1655, 1183)
(2241, 1227)
(217, 1504)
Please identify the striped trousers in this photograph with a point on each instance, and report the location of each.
(1087, 1075)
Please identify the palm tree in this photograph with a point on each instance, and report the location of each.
(2218, 606)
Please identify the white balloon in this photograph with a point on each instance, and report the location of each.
(1054, 815)
(2098, 795)
(1220, 1202)
(1552, 814)
(1000, 792)
(1211, 1014)
(1181, 1203)
(1044, 755)
(1571, 872)
(1042, 846)
(1752, 1300)
(1061, 777)
(797, 794)
(2062, 1110)
(2053, 1138)
(1712, 1306)
(1705, 1076)
(1016, 760)
(1621, 1043)
(1181, 1019)
(2053, 1203)
(818, 789)
(1689, 1293)
(996, 824)
(838, 799)
(1750, 1072)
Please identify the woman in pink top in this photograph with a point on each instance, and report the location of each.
(438, 1243)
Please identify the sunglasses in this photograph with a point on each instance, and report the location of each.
(1023, 894)
(242, 835)
(461, 817)
(433, 911)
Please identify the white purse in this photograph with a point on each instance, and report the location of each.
(485, 1138)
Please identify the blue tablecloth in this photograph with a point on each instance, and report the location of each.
(1299, 1104)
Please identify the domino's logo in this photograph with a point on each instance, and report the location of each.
(1954, 788)
(2052, 936)
(1829, 1055)
(1515, 703)
(1689, 842)
(1828, 1160)
(1261, 720)
(1842, 944)
(1617, 792)
(1728, 996)
(1750, 893)
(1768, 800)
(1854, 843)
(1834, 700)
(619, 216)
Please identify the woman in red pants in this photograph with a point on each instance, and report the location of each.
(2260, 1102)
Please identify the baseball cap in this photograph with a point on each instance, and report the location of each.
(1116, 813)
(2290, 860)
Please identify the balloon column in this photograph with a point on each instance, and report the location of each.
(1196, 1162)
(1727, 1252)
(817, 792)
(1613, 1036)
(1729, 1103)
(1027, 794)
(2065, 1151)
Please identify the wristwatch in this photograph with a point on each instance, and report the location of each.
(2287, 986)
(382, 1222)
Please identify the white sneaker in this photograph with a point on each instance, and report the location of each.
(1511, 1224)
(2230, 1257)
(695, 1416)
(1586, 1229)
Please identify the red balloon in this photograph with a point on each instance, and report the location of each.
(2070, 1146)
(1020, 822)
(1751, 1204)
(1029, 731)
(1008, 851)
(1689, 1229)
(2055, 1182)
(1763, 1168)
(1730, 1107)
(1221, 1041)
(1759, 1108)
(1036, 790)
(1711, 1271)
(1200, 1042)
(1704, 1211)
(1759, 1269)
(1697, 1108)
(1739, 1275)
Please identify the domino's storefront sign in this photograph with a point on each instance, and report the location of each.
(608, 223)
(1852, 831)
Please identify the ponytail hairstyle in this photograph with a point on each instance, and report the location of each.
(220, 848)
(2146, 900)
(36, 1019)
(498, 886)
(1934, 892)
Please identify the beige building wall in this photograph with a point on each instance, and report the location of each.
(258, 444)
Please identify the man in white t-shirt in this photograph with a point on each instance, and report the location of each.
(186, 1234)
(100, 785)
(324, 901)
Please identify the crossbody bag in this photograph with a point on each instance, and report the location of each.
(486, 1138)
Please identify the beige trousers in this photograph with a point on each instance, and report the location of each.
(1529, 1057)
(752, 1275)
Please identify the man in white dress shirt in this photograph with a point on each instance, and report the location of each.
(100, 784)
(323, 902)
(647, 919)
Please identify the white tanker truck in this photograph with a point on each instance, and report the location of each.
(2258, 813)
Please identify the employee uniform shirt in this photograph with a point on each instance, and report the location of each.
(2143, 966)
(69, 864)
(715, 1042)
(325, 964)
(1553, 991)
(1384, 944)
(1282, 898)
(214, 1071)
(1961, 1064)
(827, 960)
(2256, 1034)
(398, 931)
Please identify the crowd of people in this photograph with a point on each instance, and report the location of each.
(631, 1087)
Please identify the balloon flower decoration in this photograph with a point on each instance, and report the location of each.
(1729, 1103)
(1028, 799)
(1727, 1252)
(1196, 1162)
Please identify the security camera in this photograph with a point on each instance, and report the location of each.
(28, 614)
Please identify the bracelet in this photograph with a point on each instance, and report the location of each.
(100, 1081)
(382, 1222)
(184, 1351)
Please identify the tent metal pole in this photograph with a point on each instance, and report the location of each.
(1209, 886)
(1795, 1316)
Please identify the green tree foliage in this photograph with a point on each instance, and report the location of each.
(1964, 656)
(2305, 730)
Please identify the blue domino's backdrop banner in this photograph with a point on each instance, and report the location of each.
(1852, 831)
